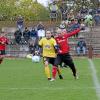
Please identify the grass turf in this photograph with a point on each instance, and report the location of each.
(97, 66)
(21, 79)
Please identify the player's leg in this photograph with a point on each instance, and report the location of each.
(59, 72)
(59, 61)
(2, 53)
(47, 69)
(1, 60)
(69, 61)
(56, 69)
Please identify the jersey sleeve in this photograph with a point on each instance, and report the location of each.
(7, 41)
(41, 42)
(54, 42)
(72, 33)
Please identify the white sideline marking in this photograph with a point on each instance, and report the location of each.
(50, 88)
(95, 78)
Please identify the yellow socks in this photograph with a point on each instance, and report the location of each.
(59, 71)
(47, 72)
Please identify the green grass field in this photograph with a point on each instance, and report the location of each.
(21, 79)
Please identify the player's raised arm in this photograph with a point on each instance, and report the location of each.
(69, 34)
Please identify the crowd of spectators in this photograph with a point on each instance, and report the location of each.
(67, 13)
(70, 21)
(29, 36)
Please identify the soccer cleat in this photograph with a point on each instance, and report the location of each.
(1, 61)
(60, 76)
(76, 77)
(49, 79)
(52, 79)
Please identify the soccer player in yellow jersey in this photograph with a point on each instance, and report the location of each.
(49, 54)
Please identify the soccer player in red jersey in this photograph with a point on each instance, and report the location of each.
(63, 52)
(3, 43)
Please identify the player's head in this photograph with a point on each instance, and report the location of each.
(63, 32)
(48, 34)
(58, 31)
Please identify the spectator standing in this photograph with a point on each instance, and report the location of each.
(40, 26)
(40, 30)
(18, 35)
(33, 43)
(20, 22)
(88, 20)
(26, 35)
(53, 7)
(63, 9)
(97, 19)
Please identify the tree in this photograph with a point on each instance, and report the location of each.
(10, 9)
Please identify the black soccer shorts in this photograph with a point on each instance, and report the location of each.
(49, 59)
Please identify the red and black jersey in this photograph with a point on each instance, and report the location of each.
(62, 41)
(3, 42)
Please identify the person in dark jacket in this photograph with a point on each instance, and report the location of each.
(18, 35)
(26, 35)
(33, 33)
(40, 26)
(33, 43)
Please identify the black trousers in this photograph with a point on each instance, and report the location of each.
(67, 59)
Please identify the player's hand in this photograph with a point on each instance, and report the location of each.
(60, 51)
(2, 42)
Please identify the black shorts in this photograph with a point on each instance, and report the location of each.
(2, 52)
(49, 59)
(63, 58)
